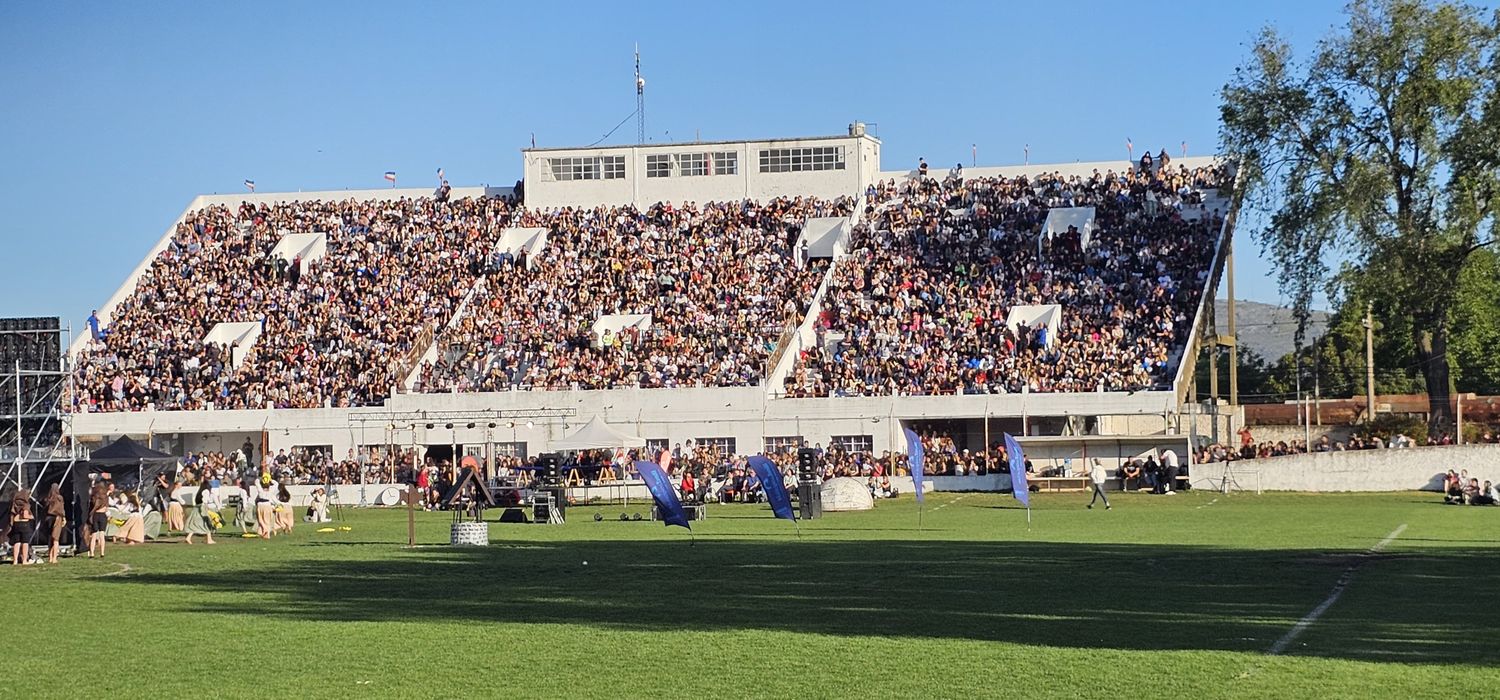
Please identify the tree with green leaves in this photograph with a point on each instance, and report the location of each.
(1381, 149)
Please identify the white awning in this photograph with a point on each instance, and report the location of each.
(596, 435)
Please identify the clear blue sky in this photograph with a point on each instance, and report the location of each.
(114, 115)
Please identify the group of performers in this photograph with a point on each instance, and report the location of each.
(23, 525)
(121, 516)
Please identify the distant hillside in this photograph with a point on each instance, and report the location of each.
(1267, 329)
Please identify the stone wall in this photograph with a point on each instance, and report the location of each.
(1419, 468)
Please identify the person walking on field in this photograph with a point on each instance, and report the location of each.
(1096, 477)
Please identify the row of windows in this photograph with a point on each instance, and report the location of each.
(796, 160)
(772, 160)
(692, 164)
(774, 445)
(585, 168)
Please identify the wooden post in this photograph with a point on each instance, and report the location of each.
(1458, 438)
(411, 515)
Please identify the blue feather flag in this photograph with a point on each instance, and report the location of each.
(774, 486)
(667, 502)
(1017, 460)
(917, 458)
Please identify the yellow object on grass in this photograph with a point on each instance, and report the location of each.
(326, 529)
(249, 535)
(346, 528)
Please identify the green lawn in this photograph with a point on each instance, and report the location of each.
(1162, 596)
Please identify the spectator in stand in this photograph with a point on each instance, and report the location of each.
(719, 281)
(336, 331)
(923, 304)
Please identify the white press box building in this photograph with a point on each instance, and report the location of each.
(1058, 426)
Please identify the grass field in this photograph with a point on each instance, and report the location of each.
(1162, 596)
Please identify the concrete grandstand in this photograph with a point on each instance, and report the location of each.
(747, 294)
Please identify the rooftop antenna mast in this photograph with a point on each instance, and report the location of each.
(640, 99)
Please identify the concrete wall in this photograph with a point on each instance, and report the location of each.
(743, 413)
(1362, 470)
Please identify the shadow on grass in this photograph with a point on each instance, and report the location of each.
(1138, 597)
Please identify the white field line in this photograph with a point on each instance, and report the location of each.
(1215, 500)
(1333, 597)
(949, 503)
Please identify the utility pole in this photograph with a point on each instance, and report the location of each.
(1317, 385)
(1369, 363)
(640, 100)
(1234, 339)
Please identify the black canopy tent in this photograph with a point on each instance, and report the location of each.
(130, 466)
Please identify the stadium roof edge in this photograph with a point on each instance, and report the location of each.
(938, 170)
(367, 193)
(678, 144)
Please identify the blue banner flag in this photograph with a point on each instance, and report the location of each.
(1018, 483)
(665, 494)
(917, 459)
(775, 487)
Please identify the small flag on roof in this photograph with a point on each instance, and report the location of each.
(390, 175)
(250, 185)
(440, 173)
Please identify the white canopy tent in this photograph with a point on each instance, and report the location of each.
(597, 435)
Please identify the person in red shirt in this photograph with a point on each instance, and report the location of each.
(688, 487)
(424, 481)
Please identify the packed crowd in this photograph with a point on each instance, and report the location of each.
(337, 330)
(720, 283)
(922, 306)
(1249, 448)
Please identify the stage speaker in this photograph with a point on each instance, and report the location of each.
(551, 468)
(513, 515)
(542, 513)
(807, 464)
(810, 500)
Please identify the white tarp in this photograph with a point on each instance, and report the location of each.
(1060, 218)
(597, 435)
(531, 239)
(846, 493)
(1048, 315)
(614, 323)
(826, 237)
(240, 335)
(308, 246)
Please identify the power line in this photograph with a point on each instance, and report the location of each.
(611, 132)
